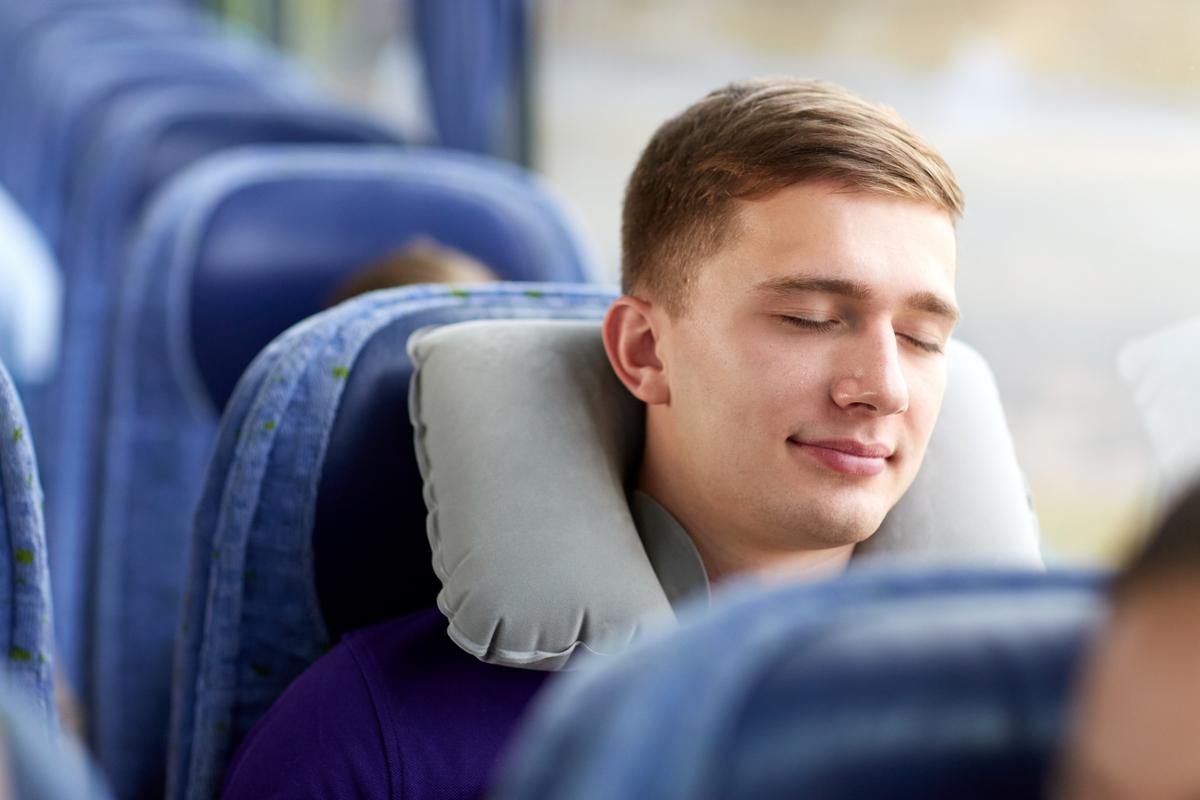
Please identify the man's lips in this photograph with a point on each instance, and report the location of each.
(847, 456)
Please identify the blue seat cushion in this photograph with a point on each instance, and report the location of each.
(914, 684)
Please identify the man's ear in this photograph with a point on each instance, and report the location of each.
(631, 341)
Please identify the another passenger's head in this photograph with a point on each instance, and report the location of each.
(421, 261)
(788, 269)
(1138, 718)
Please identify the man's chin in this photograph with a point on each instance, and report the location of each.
(846, 523)
(850, 534)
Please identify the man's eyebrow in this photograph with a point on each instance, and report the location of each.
(796, 284)
(929, 302)
(933, 304)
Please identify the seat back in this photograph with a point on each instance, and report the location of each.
(139, 152)
(69, 403)
(906, 685)
(142, 148)
(39, 38)
(63, 125)
(284, 223)
(26, 641)
(294, 507)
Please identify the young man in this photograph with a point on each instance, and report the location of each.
(1139, 705)
(789, 292)
(789, 259)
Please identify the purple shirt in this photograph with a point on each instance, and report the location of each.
(396, 710)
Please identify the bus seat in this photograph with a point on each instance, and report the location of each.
(298, 516)
(26, 639)
(234, 252)
(125, 49)
(62, 125)
(63, 403)
(39, 36)
(877, 685)
(141, 151)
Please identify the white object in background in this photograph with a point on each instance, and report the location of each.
(30, 297)
(1163, 373)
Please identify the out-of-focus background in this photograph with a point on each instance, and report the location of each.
(1073, 127)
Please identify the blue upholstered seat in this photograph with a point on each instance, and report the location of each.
(312, 519)
(877, 685)
(65, 129)
(280, 223)
(137, 151)
(59, 117)
(55, 105)
(38, 36)
(26, 642)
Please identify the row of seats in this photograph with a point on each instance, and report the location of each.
(180, 176)
(103, 105)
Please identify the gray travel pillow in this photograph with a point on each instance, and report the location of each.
(526, 442)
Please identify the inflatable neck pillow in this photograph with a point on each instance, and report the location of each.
(527, 444)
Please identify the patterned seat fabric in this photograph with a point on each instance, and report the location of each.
(38, 39)
(877, 685)
(288, 224)
(292, 523)
(130, 651)
(280, 223)
(109, 190)
(26, 642)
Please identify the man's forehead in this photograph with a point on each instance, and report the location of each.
(827, 220)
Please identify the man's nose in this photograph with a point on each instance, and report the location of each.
(871, 378)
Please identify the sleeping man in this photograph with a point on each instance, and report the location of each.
(788, 276)
(788, 270)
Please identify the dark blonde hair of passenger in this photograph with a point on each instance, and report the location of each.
(421, 261)
(747, 140)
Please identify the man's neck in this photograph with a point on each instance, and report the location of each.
(729, 551)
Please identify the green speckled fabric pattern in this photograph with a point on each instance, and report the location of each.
(26, 640)
(252, 620)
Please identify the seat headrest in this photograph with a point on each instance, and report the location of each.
(526, 441)
(313, 495)
(163, 131)
(290, 223)
(878, 685)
